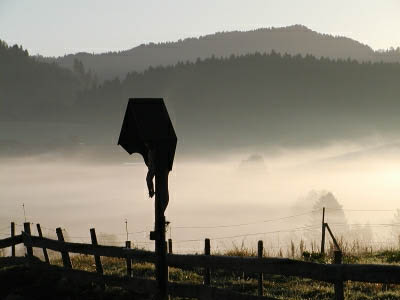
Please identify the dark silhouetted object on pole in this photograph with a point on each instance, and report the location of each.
(147, 129)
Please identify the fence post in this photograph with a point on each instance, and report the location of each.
(169, 246)
(339, 292)
(12, 235)
(333, 237)
(207, 271)
(128, 261)
(46, 256)
(97, 260)
(260, 275)
(323, 232)
(27, 229)
(65, 256)
(169, 252)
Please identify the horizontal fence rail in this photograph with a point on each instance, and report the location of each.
(278, 266)
(11, 241)
(90, 249)
(288, 267)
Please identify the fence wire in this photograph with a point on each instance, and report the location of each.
(107, 238)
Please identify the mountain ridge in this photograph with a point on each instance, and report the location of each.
(293, 40)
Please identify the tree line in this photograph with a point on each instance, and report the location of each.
(216, 103)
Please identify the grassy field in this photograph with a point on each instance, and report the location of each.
(279, 287)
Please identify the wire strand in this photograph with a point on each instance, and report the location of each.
(252, 234)
(363, 210)
(244, 224)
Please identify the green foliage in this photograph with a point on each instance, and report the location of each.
(313, 257)
(390, 256)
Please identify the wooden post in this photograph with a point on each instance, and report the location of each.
(260, 275)
(167, 249)
(65, 256)
(27, 229)
(339, 292)
(46, 256)
(161, 200)
(323, 232)
(332, 236)
(128, 261)
(207, 271)
(12, 235)
(170, 246)
(97, 260)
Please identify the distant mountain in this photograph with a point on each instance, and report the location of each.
(293, 40)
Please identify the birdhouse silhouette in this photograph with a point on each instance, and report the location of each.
(147, 125)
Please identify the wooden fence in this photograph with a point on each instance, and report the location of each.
(335, 273)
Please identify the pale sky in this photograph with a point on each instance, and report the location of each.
(55, 27)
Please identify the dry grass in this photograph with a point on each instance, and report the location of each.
(280, 287)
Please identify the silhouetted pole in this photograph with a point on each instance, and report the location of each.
(46, 256)
(260, 275)
(332, 236)
(128, 260)
(161, 194)
(169, 246)
(27, 229)
(323, 232)
(64, 254)
(207, 271)
(147, 129)
(97, 260)
(12, 235)
(339, 292)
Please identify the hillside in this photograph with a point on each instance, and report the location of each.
(37, 111)
(260, 100)
(33, 90)
(293, 40)
(216, 104)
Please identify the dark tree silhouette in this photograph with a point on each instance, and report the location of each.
(251, 100)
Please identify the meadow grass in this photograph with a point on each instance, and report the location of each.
(280, 287)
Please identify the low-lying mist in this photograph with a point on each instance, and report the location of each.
(233, 200)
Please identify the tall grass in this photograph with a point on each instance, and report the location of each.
(280, 287)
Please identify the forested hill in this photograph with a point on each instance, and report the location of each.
(259, 99)
(32, 90)
(292, 40)
(216, 104)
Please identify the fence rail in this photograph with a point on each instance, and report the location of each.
(11, 241)
(336, 273)
(90, 249)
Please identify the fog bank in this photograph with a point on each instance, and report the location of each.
(232, 199)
